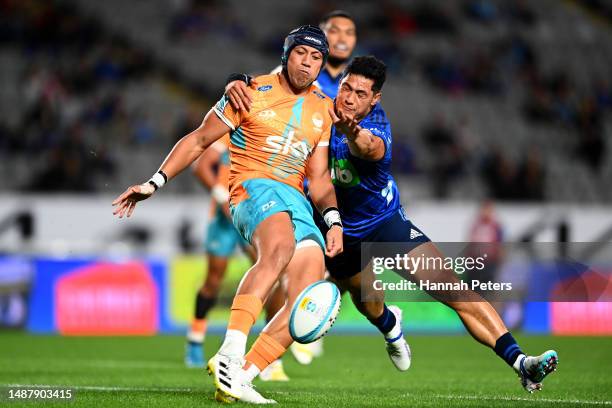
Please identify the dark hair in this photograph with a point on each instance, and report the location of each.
(370, 67)
(335, 13)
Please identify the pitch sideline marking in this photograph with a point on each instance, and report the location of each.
(189, 390)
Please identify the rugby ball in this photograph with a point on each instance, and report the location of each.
(314, 312)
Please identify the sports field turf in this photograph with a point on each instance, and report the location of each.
(354, 372)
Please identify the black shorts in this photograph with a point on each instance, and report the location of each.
(396, 228)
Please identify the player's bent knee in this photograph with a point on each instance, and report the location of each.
(277, 252)
(211, 286)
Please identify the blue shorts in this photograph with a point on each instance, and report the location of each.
(396, 228)
(222, 237)
(267, 197)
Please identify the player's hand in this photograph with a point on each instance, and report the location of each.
(126, 202)
(239, 94)
(333, 242)
(346, 124)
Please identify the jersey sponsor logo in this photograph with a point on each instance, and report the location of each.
(264, 88)
(288, 146)
(267, 114)
(317, 121)
(343, 173)
(319, 94)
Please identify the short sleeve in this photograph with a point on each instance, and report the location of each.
(326, 133)
(378, 124)
(224, 110)
(382, 132)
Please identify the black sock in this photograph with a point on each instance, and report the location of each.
(507, 348)
(203, 305)
(385, 321)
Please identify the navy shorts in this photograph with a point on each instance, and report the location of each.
(397, 228)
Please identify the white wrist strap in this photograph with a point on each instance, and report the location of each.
(332, 217)
(158, 179)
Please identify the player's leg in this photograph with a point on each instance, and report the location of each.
(275, 371)
(303, 353)
(306, 267)
(206, 298)
(276, 300)
(485, 325)
(370, 303)
(274, 243)
(221, 240)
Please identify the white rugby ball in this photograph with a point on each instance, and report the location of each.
(314, 312)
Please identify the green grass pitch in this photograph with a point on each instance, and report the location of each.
(447, 371)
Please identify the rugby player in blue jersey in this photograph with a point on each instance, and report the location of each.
(368, 200)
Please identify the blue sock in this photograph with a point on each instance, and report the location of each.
(507, 349)
(385, 322)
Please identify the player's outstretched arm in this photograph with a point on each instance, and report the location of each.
(323, 196)
(185, 152)
(362, 143)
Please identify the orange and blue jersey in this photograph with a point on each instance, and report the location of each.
(269, 150)
(277, 137)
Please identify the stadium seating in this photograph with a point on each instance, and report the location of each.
(562, 35)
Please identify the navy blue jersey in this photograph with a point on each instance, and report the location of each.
(366, 191)
(327, 83)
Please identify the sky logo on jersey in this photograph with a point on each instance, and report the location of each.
(264, 88)
(287, 146)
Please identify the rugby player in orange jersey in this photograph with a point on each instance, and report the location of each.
(341, 32)
(283, 139)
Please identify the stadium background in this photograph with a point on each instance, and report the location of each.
(507, 102)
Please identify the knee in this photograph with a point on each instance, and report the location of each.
(277, 254)
(463, 307)
(211, 287)
(284, 247)
(213, 281)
